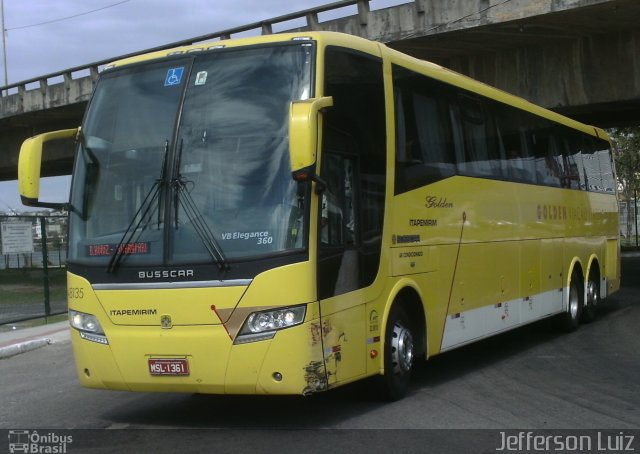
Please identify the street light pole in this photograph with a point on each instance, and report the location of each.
(4, 43)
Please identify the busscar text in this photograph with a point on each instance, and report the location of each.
(164, 274)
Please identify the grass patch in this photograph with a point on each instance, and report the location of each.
(33, 276)
(25, 286)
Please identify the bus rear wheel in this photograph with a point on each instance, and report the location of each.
(570, 320)
(399, 353)
(592, 299)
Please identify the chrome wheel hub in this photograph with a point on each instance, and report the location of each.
(592, 294)
(401, 349)
(573, 302)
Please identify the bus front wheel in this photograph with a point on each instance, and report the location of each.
(399, 352)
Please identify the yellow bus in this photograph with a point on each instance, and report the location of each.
(289, 213)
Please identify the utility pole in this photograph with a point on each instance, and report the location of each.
(4, 43)
(635, 211)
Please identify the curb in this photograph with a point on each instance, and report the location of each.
(16, 349)
(14, 343)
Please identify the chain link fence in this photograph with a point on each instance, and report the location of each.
(32, 267)
(629, 223)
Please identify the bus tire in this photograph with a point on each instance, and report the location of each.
(399, 354)
(592, 299)
(570, 319)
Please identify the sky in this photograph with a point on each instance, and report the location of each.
(46, 36)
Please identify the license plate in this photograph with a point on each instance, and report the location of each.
(177, 366)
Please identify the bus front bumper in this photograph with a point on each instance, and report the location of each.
(202, 359)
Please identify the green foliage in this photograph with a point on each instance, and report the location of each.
(627, 158)
(24, 286)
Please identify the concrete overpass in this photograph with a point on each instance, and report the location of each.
(578, 57)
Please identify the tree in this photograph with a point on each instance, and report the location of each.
(627, 159)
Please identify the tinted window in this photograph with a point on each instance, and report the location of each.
(442, 130)
(606, 166)
(478, 154)
(354, 166)
(424, 144)
(517, 164)
(546, 154)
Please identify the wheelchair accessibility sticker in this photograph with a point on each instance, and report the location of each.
(174, 76)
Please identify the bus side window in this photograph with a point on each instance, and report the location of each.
(424, 145)
(602, 152)
(590, 172)
(517, 163)
(548, 170)
(481, 155)
(571, 159)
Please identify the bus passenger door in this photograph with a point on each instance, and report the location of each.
(353, 165)
(339, 280)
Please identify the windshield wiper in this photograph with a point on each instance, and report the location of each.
(143, 212)
(201, 227)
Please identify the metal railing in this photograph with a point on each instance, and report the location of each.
(629, 222)
(265, 27)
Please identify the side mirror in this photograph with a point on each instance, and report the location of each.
(303, 135)
(29, 164)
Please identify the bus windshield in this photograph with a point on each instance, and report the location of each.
(187, 160)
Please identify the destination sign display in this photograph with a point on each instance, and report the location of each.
(101, 250)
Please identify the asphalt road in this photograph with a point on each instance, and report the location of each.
(531, 378)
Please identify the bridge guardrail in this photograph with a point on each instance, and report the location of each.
(265, 27)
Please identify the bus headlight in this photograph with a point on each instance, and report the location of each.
(263, 325)
(89, 327)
